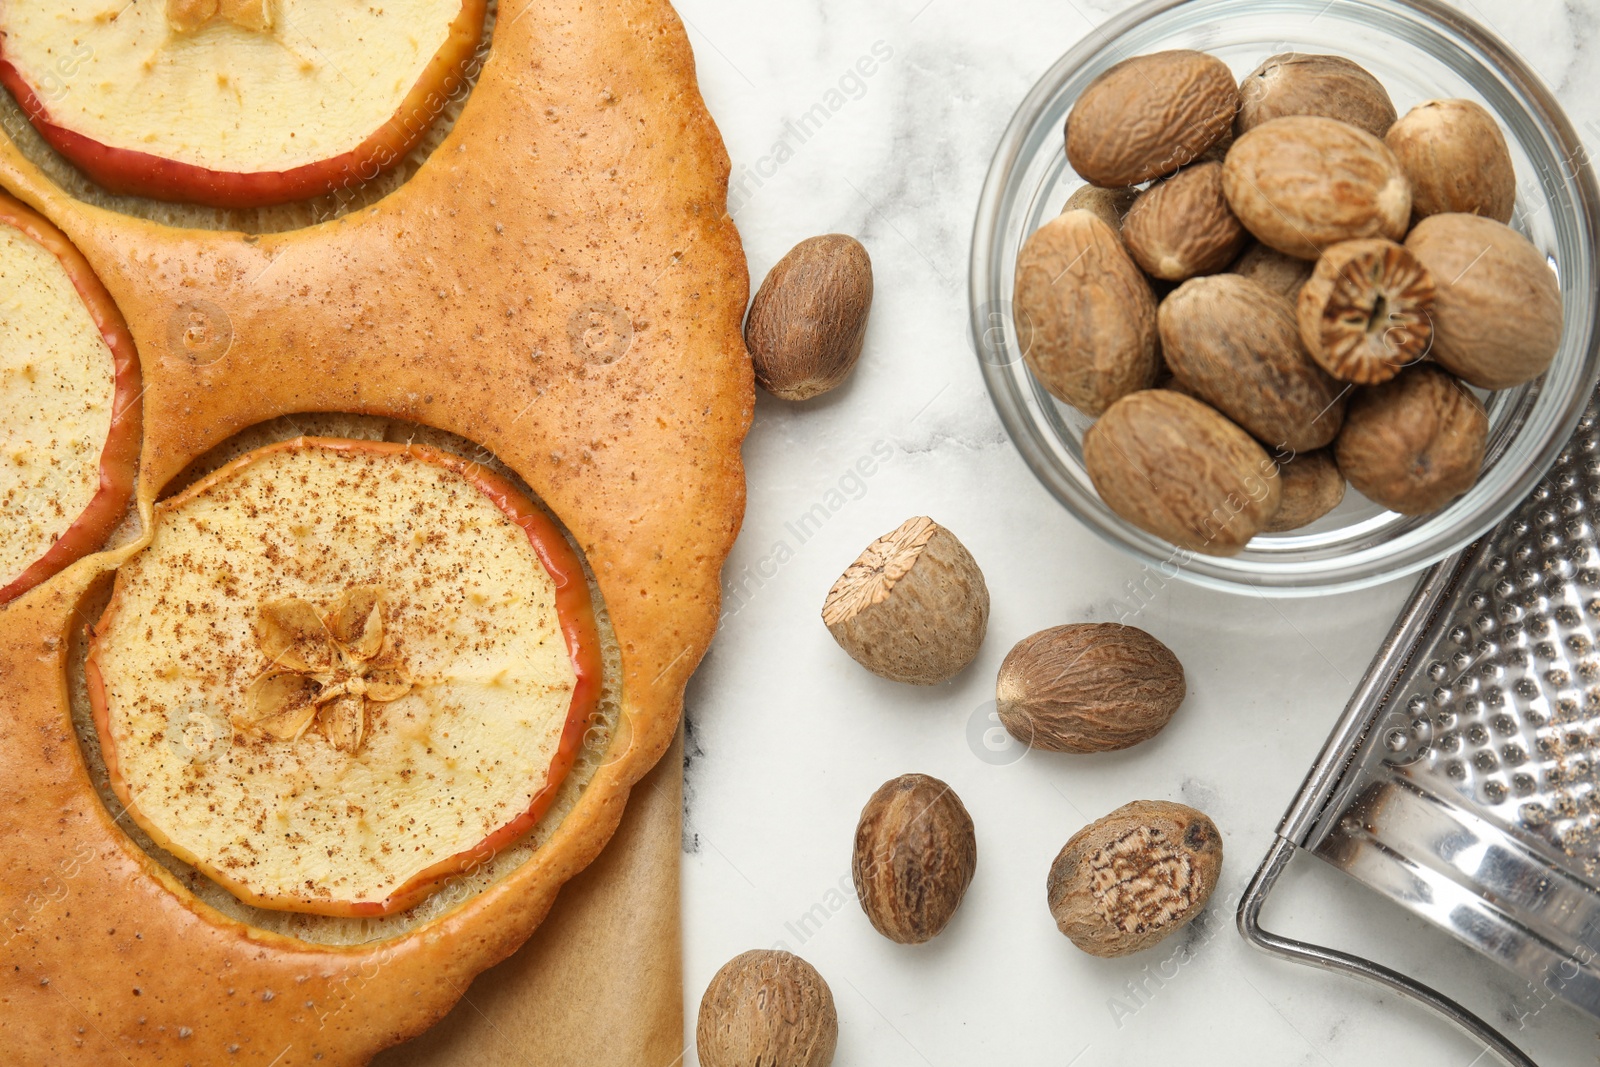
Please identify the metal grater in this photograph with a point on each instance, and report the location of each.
(1463, 780)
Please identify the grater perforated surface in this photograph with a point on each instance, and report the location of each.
(1505, 709)
(1475, 798)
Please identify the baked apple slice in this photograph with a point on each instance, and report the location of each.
(235, 103)
(69, 403)
(342, 672)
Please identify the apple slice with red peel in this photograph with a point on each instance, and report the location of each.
(236, 103)
(344, 671)
(69, 403)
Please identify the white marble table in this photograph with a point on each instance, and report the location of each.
(789, 737)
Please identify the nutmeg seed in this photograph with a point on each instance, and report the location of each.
(1237, 346)
(1177, 469)
(1109, 205)
(1457, 159)
(1089, 687)
(809, 318)
(1135, 877)
(1085, 315)
(1367, 311)
(913, 607)
(915, 854)
(1149, 115)
(1415, 443)
(1284, 274)
(767, 1007)
(1304, 182)
(1313, 485)
(1182, 226)
(1497, 316)
(1330, 86)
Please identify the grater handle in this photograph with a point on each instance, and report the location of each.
(1330, 959)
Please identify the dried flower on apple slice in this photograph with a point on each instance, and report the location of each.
(404, 647)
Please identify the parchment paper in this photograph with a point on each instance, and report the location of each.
(600, 983)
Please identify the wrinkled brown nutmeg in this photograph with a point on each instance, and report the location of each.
(809, 318)
(1457, 160)
(769, 1008)
(1415, 443)
(1313, 485)
(1498, 314)
(1149, 115)
(1332, 87)
(1135, 877)
(913, 607)
(1178, 469)
(1089, 687)
(915, 854)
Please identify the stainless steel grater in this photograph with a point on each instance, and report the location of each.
(1463, 780)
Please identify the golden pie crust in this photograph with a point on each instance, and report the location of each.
(560, 282)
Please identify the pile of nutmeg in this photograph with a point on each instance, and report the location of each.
(1273, 287)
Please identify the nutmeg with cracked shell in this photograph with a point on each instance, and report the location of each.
(808, 320)
(1305, 182)
(1085, 314)
(1497, 314)
(1236, 345)
(1130, 880)
(1457, 159)
(1297, 83)
(767, 1007)
(1149, 115)
(1182, 226)
(915, 854)
(1367, 311)
(1088, 687)
(913, 607)
(1415, 443)
(1176, 468)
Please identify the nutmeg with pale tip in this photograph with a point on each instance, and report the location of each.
(913, 607)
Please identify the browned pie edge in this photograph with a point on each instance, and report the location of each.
(583, 184)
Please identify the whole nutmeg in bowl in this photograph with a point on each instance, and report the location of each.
(767, 1007)
(1089, 687)
(1184, 102)
(1457, 160)
(809, 318)
(1332, 87)
(1137, 876)
(1085, 314)
(1305, 182)
(915, 854)
(1415, 443)
(913, 607)
(1498, 315)
(1176, 468)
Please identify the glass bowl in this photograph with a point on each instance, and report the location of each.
(1420, 50)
